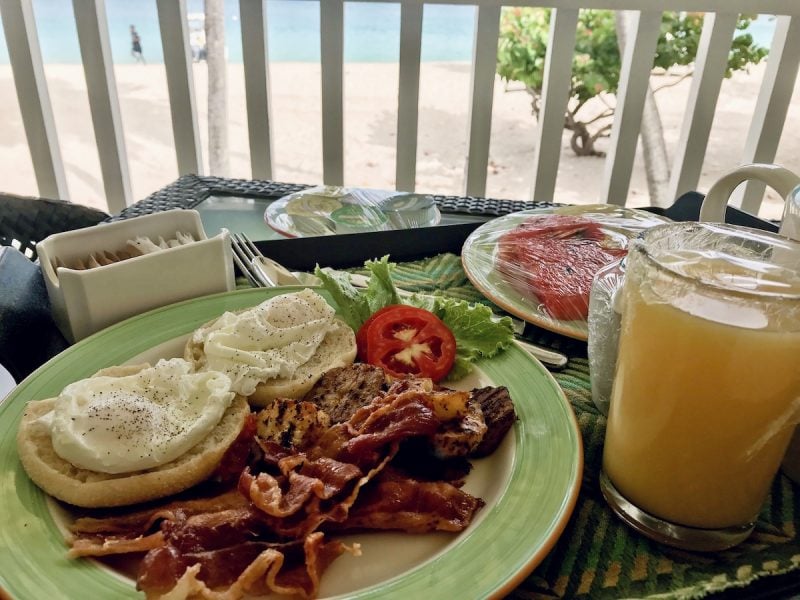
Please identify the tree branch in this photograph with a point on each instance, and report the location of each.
(535, 100)
(602, 132)
(578, 106)
(507, 88)
(602, 98)
(602, 115)
(674, 83)
(569, 121)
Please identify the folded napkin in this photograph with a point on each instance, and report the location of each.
(28, 334)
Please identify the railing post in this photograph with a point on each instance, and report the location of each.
(637, 62)
(772, 105)
(408, 96)
(709, 70)
(484, 67)
(180, 84)
(25, 54)
(555, 96)
(92, 25)
(253, 19)
(331, 65)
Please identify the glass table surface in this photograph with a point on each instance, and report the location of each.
(246, 215)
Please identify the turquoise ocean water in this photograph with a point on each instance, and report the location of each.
(372, 31)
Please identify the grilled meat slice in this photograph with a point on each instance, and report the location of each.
(498, 414)
(291, 423)
(342, 391)
(461, 436)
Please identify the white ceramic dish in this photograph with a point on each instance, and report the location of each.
(530, 484)
(85, 301)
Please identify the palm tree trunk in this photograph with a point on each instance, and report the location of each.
(654, 148)
(217, 88)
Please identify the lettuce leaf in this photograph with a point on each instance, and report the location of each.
(478, 332)
(354, 308)
(355, 304)
(380, 290)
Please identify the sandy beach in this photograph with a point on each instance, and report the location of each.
(370, 122)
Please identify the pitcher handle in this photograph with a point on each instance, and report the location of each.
(780, 179)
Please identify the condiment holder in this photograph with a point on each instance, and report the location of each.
(88, 297)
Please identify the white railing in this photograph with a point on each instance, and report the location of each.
(721, 15)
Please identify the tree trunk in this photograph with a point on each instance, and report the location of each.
(582, 140)
(654, 148)
(217, 88)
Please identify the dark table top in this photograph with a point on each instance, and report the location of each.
(239, 205)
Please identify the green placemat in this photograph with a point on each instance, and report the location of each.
(600, 557)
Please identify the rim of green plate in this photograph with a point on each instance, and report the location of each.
(509, 541)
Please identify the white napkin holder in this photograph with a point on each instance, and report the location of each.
(84, 301)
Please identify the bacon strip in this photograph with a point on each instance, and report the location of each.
(312, 488)
(398, 503)
(162, 568)
(104, 546)
(304, 479)
(269, 571)
(211, 531)
(141, 521)
(266, 494)
(391, 418)
(265, 536)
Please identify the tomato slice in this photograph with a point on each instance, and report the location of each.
(361, 334)
(405, 340)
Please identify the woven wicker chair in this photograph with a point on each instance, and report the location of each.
(26, 221)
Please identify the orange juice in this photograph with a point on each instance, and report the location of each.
(707, 390)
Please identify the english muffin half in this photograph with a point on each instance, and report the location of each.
(93, 489)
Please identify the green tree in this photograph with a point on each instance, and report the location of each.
(596, 62)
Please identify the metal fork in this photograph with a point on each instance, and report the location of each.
(262, 271)
(244, 251)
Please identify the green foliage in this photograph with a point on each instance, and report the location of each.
(680, 37)
(522, 46)
(522, 49)
(596, 63)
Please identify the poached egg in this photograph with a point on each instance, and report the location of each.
(269, 341)
(123, 424)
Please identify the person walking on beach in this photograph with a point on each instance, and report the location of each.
(136, 46)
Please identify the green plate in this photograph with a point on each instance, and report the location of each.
(478, 258)
(530, 484)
